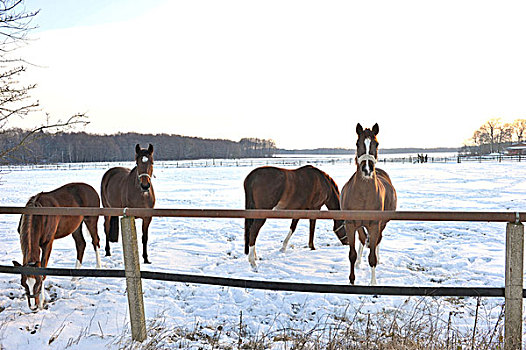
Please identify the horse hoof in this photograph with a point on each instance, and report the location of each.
(147, 262)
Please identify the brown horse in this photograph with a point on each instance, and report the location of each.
(122, 187)
(370, 188)
(37, 233)
(305, 188)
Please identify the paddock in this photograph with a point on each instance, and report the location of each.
(416, 253)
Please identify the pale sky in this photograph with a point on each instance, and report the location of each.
(302, 73)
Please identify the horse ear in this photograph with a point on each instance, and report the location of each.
(137, 148)
(150, 148)
(359, 128)
(16, 263)
(376, 129)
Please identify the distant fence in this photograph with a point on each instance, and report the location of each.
(513, 291)
(275, 161)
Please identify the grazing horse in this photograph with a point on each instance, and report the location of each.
(122, 187)
(306, 188)
(370, 188)
(37, 233)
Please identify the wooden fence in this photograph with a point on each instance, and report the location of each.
(512, 292)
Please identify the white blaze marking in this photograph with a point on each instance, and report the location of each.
(145, 159)
(31, 284)
(367, 143)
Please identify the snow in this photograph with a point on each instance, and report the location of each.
(92, 313)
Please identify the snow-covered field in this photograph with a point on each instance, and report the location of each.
(92, 313)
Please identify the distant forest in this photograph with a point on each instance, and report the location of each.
(80, 147)
(83, 147)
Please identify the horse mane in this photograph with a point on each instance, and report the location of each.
(26, 226)
(331, 182)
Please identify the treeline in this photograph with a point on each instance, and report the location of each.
(83, 147)
(494, 136)
(348, 151)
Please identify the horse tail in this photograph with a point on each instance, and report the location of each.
(249, 204)
(113, 235)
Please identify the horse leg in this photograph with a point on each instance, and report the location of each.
(145, 224)
(293, 226)
(253, 234)
(46, 251)
(80, 244)
(350, 229)
(312, 227)
(107, 232)
(362, 236)
(374, 232)
(91, 224)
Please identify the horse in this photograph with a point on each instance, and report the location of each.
(370, 188)
(306, 188)
(122, 187)
(37, 233)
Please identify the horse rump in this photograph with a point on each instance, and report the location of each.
(113, 235)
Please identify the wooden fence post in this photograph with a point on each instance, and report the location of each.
(133, 278)
(513, 286)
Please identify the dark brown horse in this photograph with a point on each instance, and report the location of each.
(305, 188)
(370, 188)
(37, 232)
(122, 188)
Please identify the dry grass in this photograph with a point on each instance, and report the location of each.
(418, 324)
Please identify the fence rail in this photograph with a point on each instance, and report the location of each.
(513, 291)
(362, 215)
(267, 285)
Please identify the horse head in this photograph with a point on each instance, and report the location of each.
(144, 160)
(33, 286)
(366, 150)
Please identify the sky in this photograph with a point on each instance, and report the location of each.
(302, 73)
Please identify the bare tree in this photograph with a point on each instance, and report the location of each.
(519, 129)
(15, 98)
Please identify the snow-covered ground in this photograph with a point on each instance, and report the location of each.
(92, 313)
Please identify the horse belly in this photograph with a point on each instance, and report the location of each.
(67, 225)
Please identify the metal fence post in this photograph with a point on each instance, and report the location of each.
(513, 286)
(133, 278)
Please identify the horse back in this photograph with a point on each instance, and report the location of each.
(264, 187)
(112, 186)
(76, 194)
(315, 187)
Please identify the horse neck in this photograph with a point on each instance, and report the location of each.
(31, 226)
(134, 176)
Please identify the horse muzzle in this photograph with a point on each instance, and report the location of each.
(145, 186)
(367, 169)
